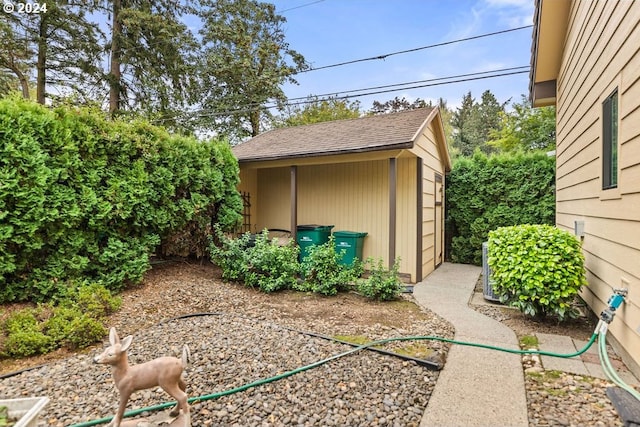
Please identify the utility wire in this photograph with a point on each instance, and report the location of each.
(372, 91)
(386, 55)
(524, 68)
(299, 7)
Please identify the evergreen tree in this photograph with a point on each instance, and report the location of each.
(245, 61)
(150, 57)
(59, 46)
(474, 121)
(397, 104)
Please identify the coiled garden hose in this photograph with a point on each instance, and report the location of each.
(329, 359)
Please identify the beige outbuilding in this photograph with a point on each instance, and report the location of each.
(382, 174)
(586, 62)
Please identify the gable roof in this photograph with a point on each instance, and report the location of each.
(371, 133)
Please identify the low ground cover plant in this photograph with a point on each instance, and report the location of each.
(537, 268)
(75, 322)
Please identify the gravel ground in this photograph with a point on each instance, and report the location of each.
(253, 336)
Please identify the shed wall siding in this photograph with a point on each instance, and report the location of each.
(602, 54)
(406, 225)
(274, 198)
(350, 196)
(426, 148)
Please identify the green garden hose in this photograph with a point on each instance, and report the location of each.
(609, 370)
(331, 358)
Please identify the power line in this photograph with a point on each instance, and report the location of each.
(386, 55)
(299, 7)
(372, 91)
(524, 68)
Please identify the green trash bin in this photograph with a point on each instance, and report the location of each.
(311, 234)
(351, 242)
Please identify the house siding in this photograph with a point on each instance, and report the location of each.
(601, 54)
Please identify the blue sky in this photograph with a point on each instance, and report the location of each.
(332, 31)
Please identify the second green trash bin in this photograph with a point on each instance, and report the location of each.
(311, 234)
(351, 242)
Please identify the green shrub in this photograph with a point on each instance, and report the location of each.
(484, 193)
(95, 300)
(231, 255)
(382, 284)
(58, 325)
(271, 267)
(323, 271)
(24, 335)
(75, 323)
(537, 268)
(22, 320)
(83, 332)
(83, 197)
(27, 343)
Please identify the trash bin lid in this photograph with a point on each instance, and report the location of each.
(349, 234)
(307, 227)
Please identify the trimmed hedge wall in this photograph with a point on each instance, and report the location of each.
(484, 193)
(84, 198)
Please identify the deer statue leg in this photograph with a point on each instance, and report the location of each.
(124, 398)
(181, 397)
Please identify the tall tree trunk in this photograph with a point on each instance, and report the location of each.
(24, 83)
(115, 74)
(254, 119)
(41, 66)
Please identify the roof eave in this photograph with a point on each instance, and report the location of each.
(386, 147)
(551, 19)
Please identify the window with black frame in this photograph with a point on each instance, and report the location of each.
(610, 141)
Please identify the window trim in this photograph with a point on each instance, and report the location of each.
(610, 140)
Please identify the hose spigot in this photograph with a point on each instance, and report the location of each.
(614, 302)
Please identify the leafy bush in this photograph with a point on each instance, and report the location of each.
(231, 255)
(271, 267)
(24, 335)
(260, 263)
(86, 197)
(84, 331)
(484, 193)
(537, 268)
(382, 284)
(323, 271)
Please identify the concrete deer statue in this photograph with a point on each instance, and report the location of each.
(165, 372)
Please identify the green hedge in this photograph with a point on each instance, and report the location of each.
(484, 193)
(82, 197)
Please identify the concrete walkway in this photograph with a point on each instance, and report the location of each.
(477, 387)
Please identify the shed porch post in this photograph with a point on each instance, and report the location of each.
(294, 202)
(393, 177)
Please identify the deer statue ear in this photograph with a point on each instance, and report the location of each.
(113, 336)
(126, 343)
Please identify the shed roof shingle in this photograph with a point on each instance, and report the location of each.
(371, 133)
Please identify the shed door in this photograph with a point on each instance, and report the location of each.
(439, 220)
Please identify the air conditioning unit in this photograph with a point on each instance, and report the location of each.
(487, 282)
